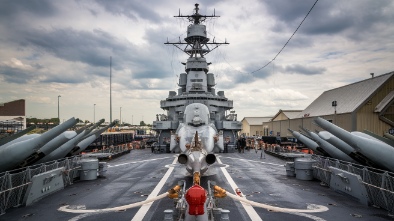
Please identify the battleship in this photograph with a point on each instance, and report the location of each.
(197, 175)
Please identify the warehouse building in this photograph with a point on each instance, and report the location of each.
(364, 105)
(253, 126)
(12, 116)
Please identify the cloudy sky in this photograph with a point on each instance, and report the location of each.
(50, 48)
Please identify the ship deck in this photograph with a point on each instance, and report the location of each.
(132, 177)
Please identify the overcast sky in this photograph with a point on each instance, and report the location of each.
(50, 48)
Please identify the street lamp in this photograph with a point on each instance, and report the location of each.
(120, 118)
(334, 104)
(58, 108)
(94, 113)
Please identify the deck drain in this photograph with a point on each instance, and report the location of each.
(323, 184)
(138, 192)
(240, 177)
(144, 195)
(356, 215)
(332, 204)
(27, 215)
(256, 192)
(248, 195)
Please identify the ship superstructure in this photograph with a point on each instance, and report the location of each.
(197, 85)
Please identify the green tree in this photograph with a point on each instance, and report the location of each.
(142, 123)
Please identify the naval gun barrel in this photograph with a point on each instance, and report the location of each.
(389, 136)
(16, 136)
(344, 147)
(92, 131)
(62, 151)
(380, 153)
(83, 144)
(305, 140)
(20, 139)
(48, 147)
(383, 139)
(329, 148)
(16, 153)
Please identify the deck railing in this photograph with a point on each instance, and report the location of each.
(13, 184)
(378, 183)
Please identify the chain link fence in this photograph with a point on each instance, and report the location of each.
(378, 183)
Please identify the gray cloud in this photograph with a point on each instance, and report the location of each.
(10, 9)
(92, 48)
(131, 9)
(66, 78)
(305, 70)
(16, 75)
(330, 17)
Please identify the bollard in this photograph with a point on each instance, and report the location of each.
(168, 215)
(225, 216)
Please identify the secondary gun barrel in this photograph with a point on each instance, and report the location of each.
(307, 142)
(49, 147)
(16, 153)
(62, 151)
(383, 139)
(16, 136)
(331, 149)
(379, 152)
(20, 139)
(83, 144)
(346, 148)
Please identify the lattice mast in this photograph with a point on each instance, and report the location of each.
(196, 43)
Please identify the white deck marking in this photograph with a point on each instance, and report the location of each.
(248, 208)
(144, 209)
(122, 164)
(273, 164)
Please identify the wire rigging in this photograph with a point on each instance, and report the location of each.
(287, 40)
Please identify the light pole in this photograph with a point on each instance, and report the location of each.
(58, 108)
(334, 104)
(94, 113)
(120, 117)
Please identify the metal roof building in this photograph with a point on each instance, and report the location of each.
(363, 105)
(253, 125)
(348, 98)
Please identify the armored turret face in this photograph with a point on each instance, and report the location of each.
(196, 115)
